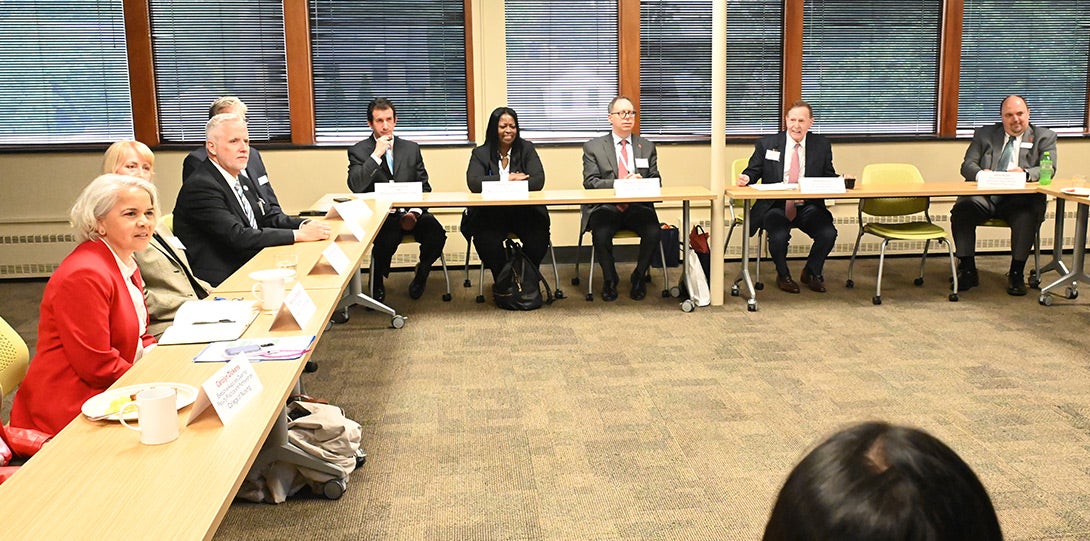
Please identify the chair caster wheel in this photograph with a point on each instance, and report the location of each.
(687, 306)
(759, 286)
(734, 291)
(590, 297)
(558, 294)
(361, 458)
(752, 307)
(953, 297)
(446, 297)
(334, 489)
(918, 281)
(666, 293)
(675, 292)
(575, 281)
(340, 316)
(849, 284)
(397, 322)
(480, 299)
(467, 283)
(1045, 299)
(1034, 282)
(310, 367)
(877, 299)
(1072, 293)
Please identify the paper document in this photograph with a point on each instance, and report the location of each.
(284, 348)
(198, 322)
(778, 186)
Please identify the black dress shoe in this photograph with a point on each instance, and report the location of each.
(967, 279)
(1016, 284)
(816, 282)
(416, 287)
(609, 290)
(639, 287)
(787, 284)
(379, 293)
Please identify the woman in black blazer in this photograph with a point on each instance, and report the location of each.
(506, 156)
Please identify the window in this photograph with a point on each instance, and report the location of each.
(412, 53)
(676, 66)
(561, 66)
(1034, 49)
(65, 73)
(204, 50)
(872, 68)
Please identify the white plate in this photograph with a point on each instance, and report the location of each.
(1077, 191)
(96, 405)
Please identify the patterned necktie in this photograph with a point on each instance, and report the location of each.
(793, 178)
(1005, 157)
(390, 159)
(245, 204)
(622, 169)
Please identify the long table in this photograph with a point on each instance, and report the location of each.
(749, 194)
(1069, 279)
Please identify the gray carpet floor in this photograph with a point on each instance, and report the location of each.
(635, 421)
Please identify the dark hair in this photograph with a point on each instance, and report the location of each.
(613, 101)
(492, 136)
(799, 103)
(380, 104)
(875, 481)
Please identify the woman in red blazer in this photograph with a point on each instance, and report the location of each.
(93, 322)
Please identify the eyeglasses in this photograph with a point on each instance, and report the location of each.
(625, 114)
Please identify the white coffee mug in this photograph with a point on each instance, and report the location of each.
(269, 288)
(158, 415)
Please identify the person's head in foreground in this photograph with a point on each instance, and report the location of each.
(875, 481)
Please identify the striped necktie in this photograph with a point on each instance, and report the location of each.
(244, 203)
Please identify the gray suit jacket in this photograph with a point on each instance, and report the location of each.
(166, 286)
(987, 146)
(600, 166)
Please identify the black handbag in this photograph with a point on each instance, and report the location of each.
(519, 283)
(670, 239)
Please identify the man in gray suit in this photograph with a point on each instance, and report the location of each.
(1011, 145)
(620, 154)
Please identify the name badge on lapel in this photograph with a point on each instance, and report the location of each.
(772, 155)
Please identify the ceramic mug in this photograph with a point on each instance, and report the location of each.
(158, 415)
(270, 286)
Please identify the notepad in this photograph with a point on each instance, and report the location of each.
(199, 322)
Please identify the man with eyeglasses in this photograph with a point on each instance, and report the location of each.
(1011, 145)
(620, 154)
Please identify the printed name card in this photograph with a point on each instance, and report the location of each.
(393, 191)
(515, 189)
(822, 185)
(637, 187)
(350, 211)
(336, 258)
(992, 180)
(300, 305)
(227, 391)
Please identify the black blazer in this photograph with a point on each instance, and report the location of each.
(819, 163)
(484, 165)
(212, 225)
(363, 172)
(255, 169)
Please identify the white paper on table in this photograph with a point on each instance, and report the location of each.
(399, 190)
(822, 185)
(198, 322)
(637, 187)
(514, 189)
(775, 186)
(991, 180)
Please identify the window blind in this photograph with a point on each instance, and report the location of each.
(865, 75)
(754, 66)
(412, 53)
(204, 50)
(561, 66)
(65, 73)
(1035, 49)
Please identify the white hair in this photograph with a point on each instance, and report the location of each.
(99, 197)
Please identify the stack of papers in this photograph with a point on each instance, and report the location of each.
(199, 322)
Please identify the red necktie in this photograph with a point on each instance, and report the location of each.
(622, 170)
(793, 178)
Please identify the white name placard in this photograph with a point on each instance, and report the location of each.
(227, 391)
(992, 180)
(637, 187)
(399, 190)
(515, 189)
(821, 185)
(336, 258)
(300, 305)
(354, 210)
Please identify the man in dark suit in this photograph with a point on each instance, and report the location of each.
(1011, 145)
(255, 168)
(221, 216)
(787, 157)
(620, 154)
(384, 157)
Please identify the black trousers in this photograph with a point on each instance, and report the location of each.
(814, 220)
(492, 224)
(604, 223)
(1023, 212)
(428, 232)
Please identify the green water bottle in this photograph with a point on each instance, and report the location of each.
(1046, 170)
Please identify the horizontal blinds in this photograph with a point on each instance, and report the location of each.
(1035, 49)
(870, 67)
(754, 66)
(675, 67)
(65, 73)
(412, 53)
(561, 65)
(204, 50)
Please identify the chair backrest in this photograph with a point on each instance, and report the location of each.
(736, 168)
(892, 173)
(168, 220)
(14, 358)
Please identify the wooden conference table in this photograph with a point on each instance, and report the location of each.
(749, 194)
(1069, 279)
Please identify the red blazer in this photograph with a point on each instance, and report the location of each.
(87, 333)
